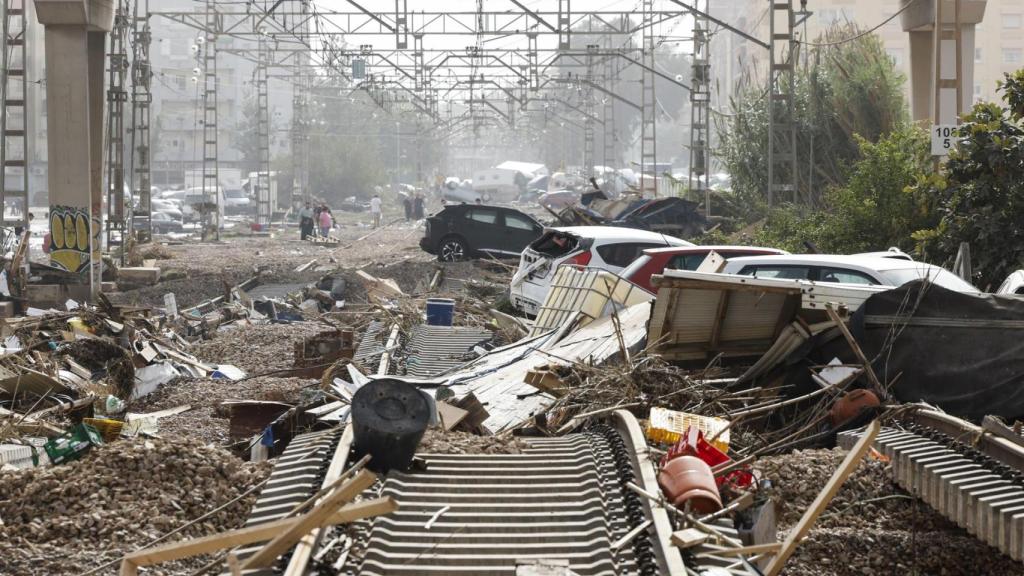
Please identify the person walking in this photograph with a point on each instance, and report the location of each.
(326, 221)
(417, 207)
(375, 210)
(316, 221)
(306, 221)
(407, 205)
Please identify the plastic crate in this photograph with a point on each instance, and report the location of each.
(667, 426)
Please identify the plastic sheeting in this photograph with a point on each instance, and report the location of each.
(961, 352)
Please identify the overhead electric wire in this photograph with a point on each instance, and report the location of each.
(861, 34)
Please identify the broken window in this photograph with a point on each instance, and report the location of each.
(622, 255)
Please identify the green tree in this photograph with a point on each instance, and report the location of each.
(847, 89)
(876, 209)
(980, 189)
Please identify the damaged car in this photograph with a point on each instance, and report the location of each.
(846, 269)
(657, 260)
(467, 230)
(608, 248)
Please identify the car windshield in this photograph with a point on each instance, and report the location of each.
(940, 276)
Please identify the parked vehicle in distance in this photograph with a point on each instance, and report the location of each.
(864, 270)
(167, 207)
(195, 197)
(161, 223)
(236, 201)
(657, 260)
(606, 247)
(463, 231)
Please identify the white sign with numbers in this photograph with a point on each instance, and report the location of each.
(943, 139)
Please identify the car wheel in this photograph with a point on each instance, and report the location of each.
(452, 249)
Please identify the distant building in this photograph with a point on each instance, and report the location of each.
(176, 119)
(999, 44)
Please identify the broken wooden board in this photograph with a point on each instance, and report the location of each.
(450, 415)
(139, 275)
(379, 287)
(543, 379)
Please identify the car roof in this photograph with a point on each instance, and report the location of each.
(618, 233)
(716, 248)
(868, 262)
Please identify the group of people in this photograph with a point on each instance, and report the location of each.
(315, 221)
(413, 207)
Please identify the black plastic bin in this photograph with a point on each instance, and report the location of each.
(389, 418)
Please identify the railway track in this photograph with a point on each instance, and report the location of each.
(974, 478)
(563, 500)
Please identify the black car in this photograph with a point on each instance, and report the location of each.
(162, 224)
(466, 230)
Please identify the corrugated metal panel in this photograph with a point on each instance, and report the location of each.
(436, 349)
(371, 346)
(497, 379)
(587, 291)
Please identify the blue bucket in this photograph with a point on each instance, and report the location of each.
(440, 311)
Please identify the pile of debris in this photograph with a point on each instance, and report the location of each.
(120, 497)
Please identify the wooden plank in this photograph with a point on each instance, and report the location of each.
(251, 534)
(742, 551)
(323, 510)
(833, 485)
(689, 537)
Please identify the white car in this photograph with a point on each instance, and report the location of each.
(606, 247)
(167, 207)
(1013, 285)
(237, 202)
(844, 269)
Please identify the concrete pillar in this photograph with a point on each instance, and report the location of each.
(919, 22)
(75, 32)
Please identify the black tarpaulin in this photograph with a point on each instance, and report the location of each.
(961, 352)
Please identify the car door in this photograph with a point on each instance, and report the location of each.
(517, 232)
(479, 227)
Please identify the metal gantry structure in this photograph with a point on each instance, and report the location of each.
(495, 86)
(649, 107)
(782, 154)
(210, 181)
(14, 117)
(700, 105)
(260, 84)
(142, 98)
(118, 217)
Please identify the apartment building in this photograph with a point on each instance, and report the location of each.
(999, 39)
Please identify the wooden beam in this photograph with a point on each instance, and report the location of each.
(242, 536)
(833, 485)
(771, 547)
(316, 516)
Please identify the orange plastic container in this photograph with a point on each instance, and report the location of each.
(688, 479)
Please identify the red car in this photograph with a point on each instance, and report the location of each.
(657, 260)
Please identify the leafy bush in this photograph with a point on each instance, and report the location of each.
(875, 209)
(980, 190)
(846, 90)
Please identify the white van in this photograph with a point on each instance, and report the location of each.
(195, 196)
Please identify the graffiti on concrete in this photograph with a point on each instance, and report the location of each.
(69, 238)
